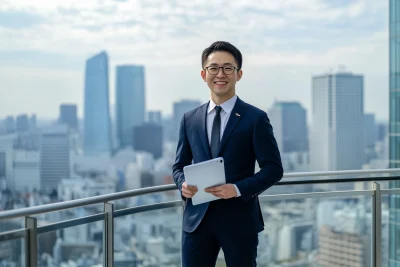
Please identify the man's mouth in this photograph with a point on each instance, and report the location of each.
(220, 83)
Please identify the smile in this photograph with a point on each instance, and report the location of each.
(220, 82)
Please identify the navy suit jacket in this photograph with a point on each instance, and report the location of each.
(248, 136)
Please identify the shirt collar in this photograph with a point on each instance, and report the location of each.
(227, 106)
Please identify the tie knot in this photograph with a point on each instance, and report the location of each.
(218, 109)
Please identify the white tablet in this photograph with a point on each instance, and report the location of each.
(205, 174)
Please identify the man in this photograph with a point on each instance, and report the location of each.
(240, 133)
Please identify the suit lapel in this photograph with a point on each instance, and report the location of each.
(202, 127)
(234, 118)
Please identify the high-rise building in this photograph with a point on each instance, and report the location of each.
(394, 129)
(130, 102)
(154, 117)
(370, 130)
(97, 122)
(148, 137)
(2, 165)
(382, 131)
(22, 123)
(26, 170)
(343, 249)
(336, 141)
(33, 123)
(289, 120)
(6, 161)
(9, 124)
(181, 108)
(68, 115)
(54, 157)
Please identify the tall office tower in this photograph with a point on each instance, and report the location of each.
(9, 124)
(148, 137)
(97, 122)
(22, 123)
(336, 141)
(154, 117)
(68, 115)
(181, 108)
(130, 102)
(382, 130)
(370, 130)
(6, 161)
(394, 129)
(33, 123)
(289, 120)
(54, 156)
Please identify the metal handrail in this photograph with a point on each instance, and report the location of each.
(23, 212)
(345, 172)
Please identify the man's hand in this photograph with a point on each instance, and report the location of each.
(222, 191)
(188, 191)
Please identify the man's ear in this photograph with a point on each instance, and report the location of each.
(203, 75)
(239, 75)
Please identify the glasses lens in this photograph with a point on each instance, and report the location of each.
(228, 70)
(213, 70)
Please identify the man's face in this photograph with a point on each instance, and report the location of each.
(221, 81)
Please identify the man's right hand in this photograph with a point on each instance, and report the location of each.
(188, 191)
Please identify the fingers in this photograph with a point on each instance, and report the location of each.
(214, 189)
(221, 191)
(219, 195)
(188, 191)
(189, 187)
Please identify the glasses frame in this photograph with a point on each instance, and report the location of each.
(234, 68)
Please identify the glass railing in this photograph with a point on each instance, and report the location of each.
(311, 219)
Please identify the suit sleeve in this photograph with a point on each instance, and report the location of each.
(183, 157)
(268, 157)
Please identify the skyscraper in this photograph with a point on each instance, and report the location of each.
(97, 125)
(33, 123)
(130, 102)
(22, 123)
(54, 157)
(336, 141)
(149, 137)
(68, 116)
(370, 130)
(154, 117)
(9, 124)
(181, 108)
(394, 130)
(289, 120)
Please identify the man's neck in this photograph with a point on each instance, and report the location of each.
(218, 100)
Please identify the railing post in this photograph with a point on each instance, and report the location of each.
(108, 235)
(31, 242)
(377, 226)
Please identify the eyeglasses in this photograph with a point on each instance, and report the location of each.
(226, 69)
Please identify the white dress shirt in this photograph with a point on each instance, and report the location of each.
(227, 108)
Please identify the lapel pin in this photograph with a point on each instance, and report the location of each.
(237, 114)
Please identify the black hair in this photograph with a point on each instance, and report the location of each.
(222, 46)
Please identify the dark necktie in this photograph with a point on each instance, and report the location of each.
(216, 132)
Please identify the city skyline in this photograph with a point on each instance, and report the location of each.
(282, 43)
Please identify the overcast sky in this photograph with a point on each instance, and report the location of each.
(44, 45)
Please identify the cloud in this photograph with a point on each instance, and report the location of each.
(167, 28)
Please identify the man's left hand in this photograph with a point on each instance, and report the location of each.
(222, 191)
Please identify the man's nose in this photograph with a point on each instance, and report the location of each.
(220, 72)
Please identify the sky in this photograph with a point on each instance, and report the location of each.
(44, 45)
